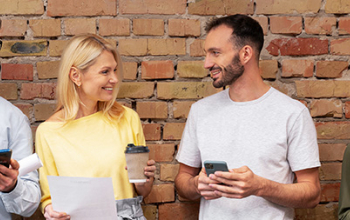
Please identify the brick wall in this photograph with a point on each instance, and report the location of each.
(305, 55)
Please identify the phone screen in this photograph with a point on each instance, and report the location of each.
(5, 157)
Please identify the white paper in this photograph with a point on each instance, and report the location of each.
(83, 198)
(29, 164)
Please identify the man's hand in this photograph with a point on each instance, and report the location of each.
(238, 183)
(205, 186)
(50, 214)
(8, 176)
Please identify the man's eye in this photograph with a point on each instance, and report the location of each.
(216, 52)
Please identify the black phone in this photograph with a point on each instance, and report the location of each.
(211, 166)
(5, 157)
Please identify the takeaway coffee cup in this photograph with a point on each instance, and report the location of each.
(136, 160)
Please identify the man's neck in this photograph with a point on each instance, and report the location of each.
(248, 87)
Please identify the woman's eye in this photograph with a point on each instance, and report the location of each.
(105, 72)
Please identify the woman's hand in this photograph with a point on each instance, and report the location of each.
(50, 214)
(150, 169)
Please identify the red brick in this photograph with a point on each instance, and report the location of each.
(161, 193)
(185, 90)
(168, 172)
(337, 7)
(133, 47)
(13, 27)
(333, 130)
(263, 21)
(20, 7)
(326, 108)
(320, 25)
(80, 26)
(331, 152)
(45, 27)
(330, 171)
(321, 212)
(150, 212)
(315, 89)
(17, 71)
(330, 192)
(162, 152)
(298, 46)
(340, 46)
(191, 69)
(81, 8)
(169, 46)
(8, 91)
(157, 69)
(23, 48)
(43, 111)
(152, 7)
(181, 108)
(197, 48)
(38, 90)
(136, 90)
(286, 25)
(287, 7)
(47, 69)
(229, 7)
(268, 69)
(151, 27)
(184, 27)
(56, 47)
(154, 110)
(114, 27)
(173, 131)
(188, 211)
(26, 108)
(330, 69)
(297, 68)
(130, 70)
(344, 25)
(152, 132)
(347, 109)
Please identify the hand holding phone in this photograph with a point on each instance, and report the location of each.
(5, 157)
(211, 166)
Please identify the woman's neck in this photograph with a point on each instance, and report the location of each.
(85, 110)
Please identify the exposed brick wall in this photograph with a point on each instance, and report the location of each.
(305, 55)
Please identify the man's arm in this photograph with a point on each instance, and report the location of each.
(242, 182)
(21, 194)
(186, 182)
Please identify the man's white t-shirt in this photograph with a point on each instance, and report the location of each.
(273, 135)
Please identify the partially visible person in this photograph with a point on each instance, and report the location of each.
(18, 195)
(344, 194)
(88, 133)
(267, 138)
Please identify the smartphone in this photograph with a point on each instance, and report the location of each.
(5, 157)
(211, 166)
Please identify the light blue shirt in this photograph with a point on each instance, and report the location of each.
(15, 134)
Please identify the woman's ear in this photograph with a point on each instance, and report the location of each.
(246, 54)
(74, 75)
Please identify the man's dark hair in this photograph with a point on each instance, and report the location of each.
(246, 31)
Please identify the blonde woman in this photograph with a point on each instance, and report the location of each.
(89, 131)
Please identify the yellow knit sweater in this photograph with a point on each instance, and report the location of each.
(88, 147)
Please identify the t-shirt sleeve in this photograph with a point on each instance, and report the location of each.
(189, 153)
(302, 143)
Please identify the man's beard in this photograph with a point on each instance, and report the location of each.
(230, 73)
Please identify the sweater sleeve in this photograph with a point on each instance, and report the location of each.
(49, 167)
(344, 197)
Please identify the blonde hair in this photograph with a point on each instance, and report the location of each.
(81, 53)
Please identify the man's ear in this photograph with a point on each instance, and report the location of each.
(74, 75)
(246, 54)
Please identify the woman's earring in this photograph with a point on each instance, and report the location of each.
(78, 86)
